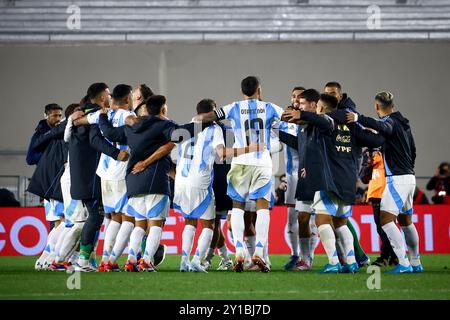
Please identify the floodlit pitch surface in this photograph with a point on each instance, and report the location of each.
(19, 280)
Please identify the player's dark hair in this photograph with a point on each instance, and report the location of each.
(205, 106)
(385, 98)
(154, 104)
(330, 101)
(50, 107)
(310, 95)
(334, 84)
(298, 88)
(146, 92)
(249, 85)
(70, 109)
(95, 90)
(120, 92)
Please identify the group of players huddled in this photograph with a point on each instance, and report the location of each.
(109, 161)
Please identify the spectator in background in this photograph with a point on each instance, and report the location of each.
(53, 115)
(280, 191)
(420, 197)
(440, 183)
(7, 199)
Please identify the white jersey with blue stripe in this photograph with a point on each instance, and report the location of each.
(196, 158)
(290, 155)
(251, 121)
(109, 168)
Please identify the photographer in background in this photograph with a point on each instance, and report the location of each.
(440, 183)
(280, 191)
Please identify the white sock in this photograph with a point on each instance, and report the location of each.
(292, 230)
(347, 244)
(305, 245)
(154, 236)
(74, 257)
(237, 228)
(110, 239)
(60, 241)
(412, 241)
(314, 238)
(187, 241)
(106, 223)
(262, 230)
(329, 242)
(250, 242)
(52, 239)
(266, 253)
(135, 243)
(204, 241)
(223, 252)
(313, 242)
(397, 243)
(70, 242)
(123, 236)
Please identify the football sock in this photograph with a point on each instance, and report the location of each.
(346, 239)
(237, 228)
(70, 242)
(359, 252)
(203, 244)
(110, 237)
(262, 231)
(250, 242)
(123, 236)
(154, 237)
(412, 241)
(305, 245)
(187, 241)
(397, 242)
(293, 230)
(329, 242)
(135, 241)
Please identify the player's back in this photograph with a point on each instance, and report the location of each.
(108, 168)
(196, 158)
(251, 121)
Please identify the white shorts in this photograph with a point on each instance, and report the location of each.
(289, 196)
(328, 203)
(74, 210)
(398, 195)
(149, 206)
(304, 206)
(54, 210)
(249, 182)
(194, 203)
(114, 196)
(250, 206)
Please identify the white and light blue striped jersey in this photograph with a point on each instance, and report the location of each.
(108, 168)
(251, 121)
(291, 159)
(196, 158)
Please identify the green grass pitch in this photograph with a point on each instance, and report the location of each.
(19, 280)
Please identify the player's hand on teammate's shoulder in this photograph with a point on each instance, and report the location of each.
(139, 167)
(131, 120)
(253, 147)
(291, 115)
(77, 115)
(351, 117)
(123, 155)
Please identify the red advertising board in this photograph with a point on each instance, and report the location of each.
(23, 231)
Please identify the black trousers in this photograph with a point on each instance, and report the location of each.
(93, 222)
(386, 249)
